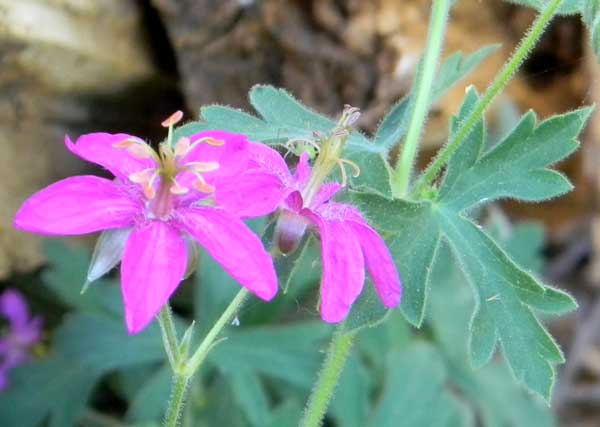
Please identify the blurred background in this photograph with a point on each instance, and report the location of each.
(76, 66)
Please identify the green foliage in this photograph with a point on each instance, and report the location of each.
(259, 373)
(590, 13)
(395, 124)
(257, 365)
(429, 380)
(283, 118)
(490, 391)
(506, 294)
(589, 10)
(568, 7)
(415, 393)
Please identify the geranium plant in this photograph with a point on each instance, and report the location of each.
(334, 208)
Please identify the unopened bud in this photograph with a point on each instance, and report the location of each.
(289, 230)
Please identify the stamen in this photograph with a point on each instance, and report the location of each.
(201, 167)
(354, 166)
(173, 119)
(177, 188)
(212, 141)
(208, 140)
(202, 186)
(148, 187)
(355, 174)
(182, 147)
(124, 143)
(137, 148)
(350, 115)
(149, 192)
(343, 171)
(142, 177)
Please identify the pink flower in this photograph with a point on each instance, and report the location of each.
(348, 243)
(22, 333)
(160, 198)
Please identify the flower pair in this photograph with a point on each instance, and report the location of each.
(199, 188)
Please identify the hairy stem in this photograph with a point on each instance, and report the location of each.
(183, 369)
(173, 414)
(337, 354)
(508, 71)
(169, 335)
(202, 351)
(422, 96)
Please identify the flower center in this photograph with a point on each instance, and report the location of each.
(330, 155)
(161, 182)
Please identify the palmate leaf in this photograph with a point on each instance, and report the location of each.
(506, 294)
(415, 392)
(282, 118)
(492, 394)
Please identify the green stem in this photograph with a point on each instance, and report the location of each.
(169, 336)
(422, 96)
(338, 352)
(183, 370)
(205, 346)
(180, 383)
(508, 71)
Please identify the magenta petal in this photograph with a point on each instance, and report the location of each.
(294, 201)
(339, 211)
(98, 148)
(233, 245)
(326, 192)
(343, 268)
(232, 156)
(269, 160)
(153, 265)
(302, 170)
(77, 205)
(254, 194)
(379, 263)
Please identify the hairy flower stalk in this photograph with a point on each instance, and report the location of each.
(158, 202)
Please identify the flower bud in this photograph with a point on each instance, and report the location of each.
(289, 230)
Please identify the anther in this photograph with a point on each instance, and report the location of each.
(213, 141)
(350, 115)
(142, 176)
(148, 186)
(149, 191)
(177, 188)
(202, 186)
(182, 147)
(201, 167)
(173, 119)
(138, 149)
